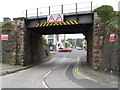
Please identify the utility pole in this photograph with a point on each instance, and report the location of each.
(64, 39)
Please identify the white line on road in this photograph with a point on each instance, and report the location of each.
(44, 84)
(54, 68)
(45, 76)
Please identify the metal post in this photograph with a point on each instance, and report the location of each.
(91, 7)
(26, 18)
(49, 10)
(92, 13)
(76, 8)
(62, 8)
(76, 13)
(37, 15)
(26, 14)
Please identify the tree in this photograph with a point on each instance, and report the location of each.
(105, 12)
(72, 42)
(80, 45)
(67, 44)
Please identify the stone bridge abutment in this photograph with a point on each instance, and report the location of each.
(26, 46)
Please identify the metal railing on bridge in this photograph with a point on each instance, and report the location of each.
(60, 9)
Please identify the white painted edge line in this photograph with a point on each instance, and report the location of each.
(47, 74)
(44, 84)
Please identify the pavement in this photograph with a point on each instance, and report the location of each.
(8, 69)
(84, 69)
(97, 76)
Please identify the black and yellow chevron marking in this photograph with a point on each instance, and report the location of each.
(57, 24)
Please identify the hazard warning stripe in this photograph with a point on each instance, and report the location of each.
(56, 24)
(64, 23)
(44, 24)
(47, 24)
(41, 24)
(51, 24)
(71, 22)
(76, 22)
(60, 23)
(67, 22)
(38, 25)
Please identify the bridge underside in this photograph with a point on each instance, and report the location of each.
(67, 29)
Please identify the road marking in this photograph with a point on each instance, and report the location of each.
(45, 76)
(54, 68)
(44, 84)
(76, 69)
(64, 59)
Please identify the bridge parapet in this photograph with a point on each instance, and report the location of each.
(59, 9)
(78, 12)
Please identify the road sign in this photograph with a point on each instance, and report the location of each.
(51, 19)
(59, 18)
(4, 37)
(112, 37)
(55, 18)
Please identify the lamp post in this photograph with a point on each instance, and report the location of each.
(64, 40)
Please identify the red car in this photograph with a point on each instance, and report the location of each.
(65, 50)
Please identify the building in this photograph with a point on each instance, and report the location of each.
(53, 41)
(6, 19)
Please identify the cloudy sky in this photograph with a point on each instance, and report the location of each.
(14, 8)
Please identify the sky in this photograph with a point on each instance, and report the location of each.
(15, 8)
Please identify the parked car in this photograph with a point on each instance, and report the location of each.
(79, 48)
(65, 50)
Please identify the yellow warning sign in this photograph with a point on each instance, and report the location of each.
(57, 24)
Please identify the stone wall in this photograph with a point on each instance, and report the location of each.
(34, 48)
(104, 53)
(23, 46)
(111, 50)
(13, 48)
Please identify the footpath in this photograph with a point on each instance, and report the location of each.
(8, 69)
(96, 76)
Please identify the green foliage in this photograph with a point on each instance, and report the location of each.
(80, 45)
(115, 22)
(6, 26)
(105, 12)
(67, 44)
(45, 46)
(72, 42)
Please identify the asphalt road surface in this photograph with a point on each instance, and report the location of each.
(56, 73)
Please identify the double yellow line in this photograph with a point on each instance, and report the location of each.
(77, 70)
